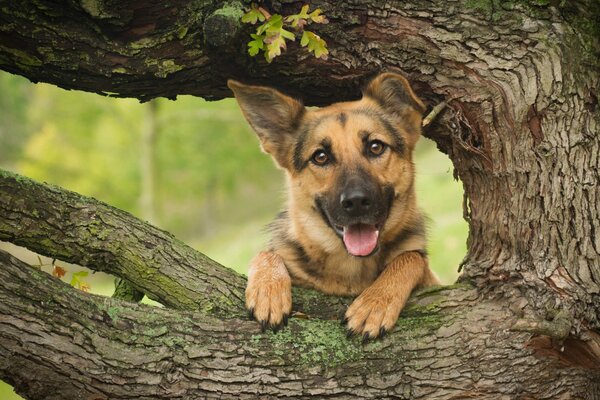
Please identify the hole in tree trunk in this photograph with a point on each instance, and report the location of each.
(440, 196)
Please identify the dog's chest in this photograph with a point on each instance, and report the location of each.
(340, 274)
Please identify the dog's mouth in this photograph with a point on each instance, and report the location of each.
(360, 235)
(360, 239)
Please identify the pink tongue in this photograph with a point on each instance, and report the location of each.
(360, 239)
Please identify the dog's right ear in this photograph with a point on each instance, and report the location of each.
(273, 116)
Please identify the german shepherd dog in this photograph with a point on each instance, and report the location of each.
(352, 226)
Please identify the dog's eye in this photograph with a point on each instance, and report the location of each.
(320, 157)
(376, 147)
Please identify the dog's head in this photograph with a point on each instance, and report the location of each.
(348, 163)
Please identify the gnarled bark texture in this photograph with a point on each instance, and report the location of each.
(100, 348)
(522, 128)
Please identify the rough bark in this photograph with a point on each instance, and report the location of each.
(522, 128)
(59, 343)
(65, 225)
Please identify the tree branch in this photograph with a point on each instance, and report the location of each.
(73, 228)
(111, 349)
(143, 50)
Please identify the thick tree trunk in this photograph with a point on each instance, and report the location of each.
(522, 127)
(58, 343)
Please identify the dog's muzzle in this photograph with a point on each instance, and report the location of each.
(356, 212)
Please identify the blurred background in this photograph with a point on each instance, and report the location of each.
(191, 167)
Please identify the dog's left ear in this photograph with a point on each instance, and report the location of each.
(273, 116)
(393, 92)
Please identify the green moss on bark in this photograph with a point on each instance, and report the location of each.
(312, 343)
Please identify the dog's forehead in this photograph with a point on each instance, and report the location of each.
(345, 121)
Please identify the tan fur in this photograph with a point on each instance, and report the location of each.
(376, 310)
(269, 290)
(304, 244)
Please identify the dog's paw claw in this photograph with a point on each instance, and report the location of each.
(269, 291)
(366, 338)
(372, 315)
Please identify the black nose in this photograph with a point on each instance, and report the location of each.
(356, 201)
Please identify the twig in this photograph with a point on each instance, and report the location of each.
(434, 113)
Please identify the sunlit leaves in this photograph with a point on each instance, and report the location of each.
(271, 36)
(84, 286)
(315, 44)
(253, 16)
(272, 25)
(77, 278)
(256, 45)
(299, 20)
(303, 17)
(77, 281)
(287, 34)
(274, 46)
(317, 17)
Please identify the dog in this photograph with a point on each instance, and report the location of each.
(352, 226)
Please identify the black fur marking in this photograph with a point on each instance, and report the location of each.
(416, 228)
(389, 192)
(320, 203)
(301, 255)
(397, 139)
(314, 269)
(422, 252)
(326, 145)
(309, 266)
(364, 137)
(298, 158)
(398, 144)
(299, 162)
(282, 215)
(278, 226)
(342, 118)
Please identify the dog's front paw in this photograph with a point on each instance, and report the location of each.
(269, 291)
(372, 314)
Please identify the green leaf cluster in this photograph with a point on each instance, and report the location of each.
(270, 37)
(315, 44)
(77, 280)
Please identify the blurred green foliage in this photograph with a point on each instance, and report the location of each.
(14, 132)
(211, 185)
